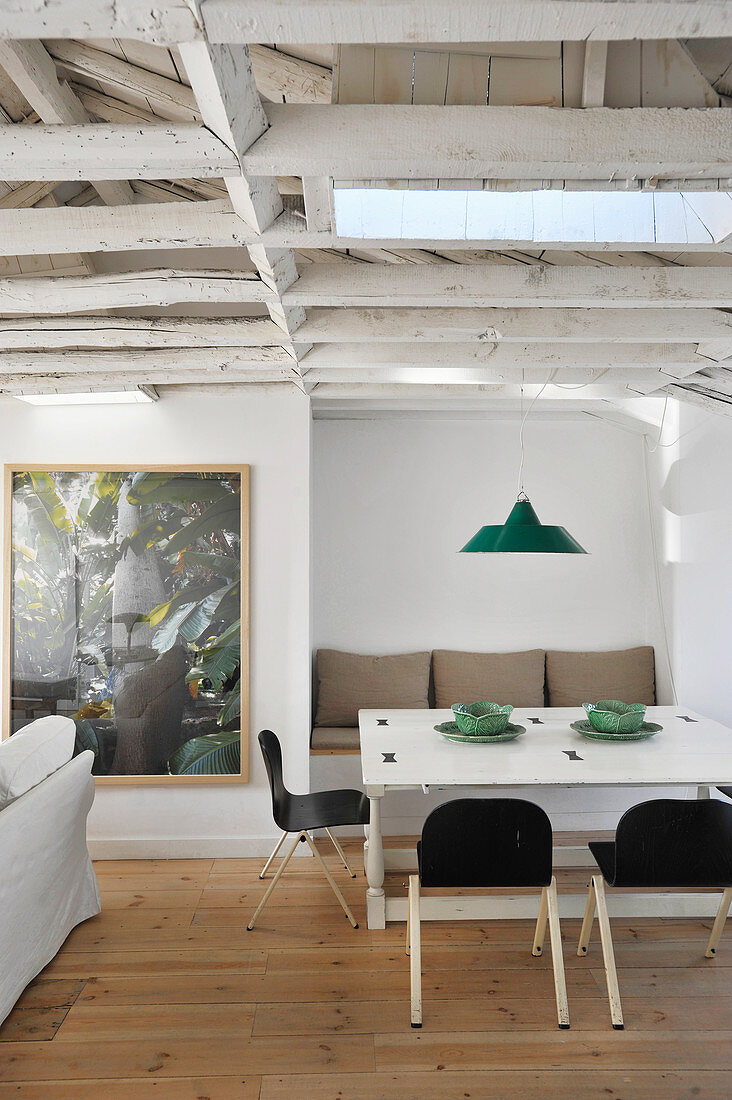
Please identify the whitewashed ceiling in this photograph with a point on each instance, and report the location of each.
(167, 214)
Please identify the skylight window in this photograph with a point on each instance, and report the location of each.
(546, 217)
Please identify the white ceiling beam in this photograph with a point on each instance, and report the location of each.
(705, 399)
(113, 152)
(409, 21)
(213, 224)
(121, 229)
(375, 285)
(645, 381)
(152, 375)
(317, 195)
(470, 392)
(124, 361)
(673, 358)
(222, 80)
(718, 351)
(29, 334)
(372, 326)
(33, 71)
(520, 326)
(377, 141)
(82, 293)
(160, 21)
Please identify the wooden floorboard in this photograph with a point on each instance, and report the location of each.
(166, 996)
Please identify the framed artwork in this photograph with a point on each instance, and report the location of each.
(126, 595)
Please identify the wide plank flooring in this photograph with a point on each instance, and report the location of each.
(166, 996)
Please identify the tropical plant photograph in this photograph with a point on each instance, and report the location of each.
(127, 599)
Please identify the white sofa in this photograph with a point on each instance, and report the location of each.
(47, 882)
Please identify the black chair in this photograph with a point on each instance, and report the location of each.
(297, 813)
(665, 843)
(484, 843)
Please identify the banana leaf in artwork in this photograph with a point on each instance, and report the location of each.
(211, 754)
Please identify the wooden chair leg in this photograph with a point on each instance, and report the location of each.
(341, 853)
(332, 881)
(274, 882)
(611, 975)
(555, 936)
(415, 952)
(538, 945)
(719, 922)
(275, 850)
(587, 921)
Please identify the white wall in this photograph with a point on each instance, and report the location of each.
(269, 428)
(696, 510)
(394, 500)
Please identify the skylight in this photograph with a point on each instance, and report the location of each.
(546, 217)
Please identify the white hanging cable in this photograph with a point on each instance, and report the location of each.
(520, 487)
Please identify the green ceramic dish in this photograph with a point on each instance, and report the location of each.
(450, 732)
(612, 716)
(647, 730)
(483, 719)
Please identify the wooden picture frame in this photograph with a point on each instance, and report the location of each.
(235, 478)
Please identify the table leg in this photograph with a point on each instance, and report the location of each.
(375, 897)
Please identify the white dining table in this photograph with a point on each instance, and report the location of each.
(400, 751)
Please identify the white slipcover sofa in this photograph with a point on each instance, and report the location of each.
(47, 882)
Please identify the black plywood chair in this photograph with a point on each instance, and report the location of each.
(484, 843)
(297, 813)
(664, 843)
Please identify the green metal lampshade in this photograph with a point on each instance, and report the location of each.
(522, 533)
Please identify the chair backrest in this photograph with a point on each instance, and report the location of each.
(269, 743)
(674, 842)
(486, 842)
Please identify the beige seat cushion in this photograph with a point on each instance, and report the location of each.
(348, 682)
(335, 739)
(625, 674)
(516, 678)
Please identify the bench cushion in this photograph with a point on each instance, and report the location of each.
(335, 739)
(349, 682)
(577, 678)
(516, 678)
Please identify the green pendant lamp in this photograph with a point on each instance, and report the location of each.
(523, 532)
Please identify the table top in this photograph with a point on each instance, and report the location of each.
(689, 750)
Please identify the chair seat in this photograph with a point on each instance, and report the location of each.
(335, 739)
(604, 853)
(323, 809)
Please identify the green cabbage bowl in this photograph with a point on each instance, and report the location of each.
(481, 719)
(612, 716)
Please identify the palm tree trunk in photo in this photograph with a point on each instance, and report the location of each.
(149, 691)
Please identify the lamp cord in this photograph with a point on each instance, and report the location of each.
(520, 487)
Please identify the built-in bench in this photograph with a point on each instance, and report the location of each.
(348, 682)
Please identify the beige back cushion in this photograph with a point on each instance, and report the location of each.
(348, 682)
(625, 674)
(516, 678)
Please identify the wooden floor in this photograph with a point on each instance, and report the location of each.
(166, 995)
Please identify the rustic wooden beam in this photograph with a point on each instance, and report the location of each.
(33, 71)
(29, 334)
(376, 141)
(440, 326)
(406, 21)
(161, 21)
(80, 294)
(373, 285)
(111, 152)
(223, 82)
(523, 325)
